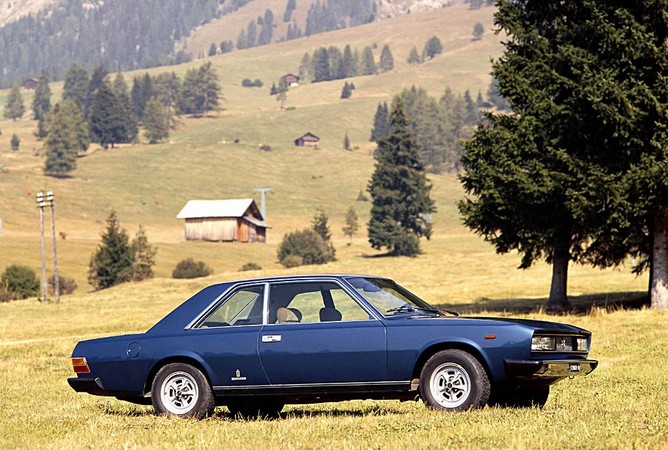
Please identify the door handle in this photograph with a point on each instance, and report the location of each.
(271, 338)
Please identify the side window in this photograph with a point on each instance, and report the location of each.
(312, 303)
(242, 307)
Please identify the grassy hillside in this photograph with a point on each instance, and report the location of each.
(148, 184)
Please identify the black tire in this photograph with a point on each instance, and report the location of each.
(252, 409)
(523, 397)
(454, 380)
(182, 390)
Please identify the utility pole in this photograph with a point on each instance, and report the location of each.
(263, 201)
(41, 203)
(56, 279)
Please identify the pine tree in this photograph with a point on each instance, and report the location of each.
(580, 154)
(386, 59)
(368, 62)
(381, 123)
(66, 136)
(112, 262)
(352, 225)
(320, 63)
(143, 256)
(414, 57)
(306, 69)
(201, 91)
(478, 31)
(14, 107)
(120, 88)
(107, 119)
(76, 84)
(15, 142)
(287, 15)
(346, 91)
(346, 142)
(155, 122)
(320, 225)
(433, 47)
(41, 104)
(251, 34)
(399, 190)
(167, 89)
(213, 49)
(97, 79)
(348, 63)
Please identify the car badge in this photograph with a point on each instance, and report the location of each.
(238, 376)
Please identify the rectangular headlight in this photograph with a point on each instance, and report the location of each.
(582, 344)
(542, 344)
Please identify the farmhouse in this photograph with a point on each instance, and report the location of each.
(291, 80)
(30, 83)
(307, 140)
(223, 221)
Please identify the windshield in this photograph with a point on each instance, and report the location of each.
(389, 298)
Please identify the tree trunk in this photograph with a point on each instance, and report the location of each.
(558, 301)
(659, 276)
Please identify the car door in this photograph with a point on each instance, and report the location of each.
(318, 333)
(227, 338)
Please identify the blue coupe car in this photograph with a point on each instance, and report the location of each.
(256, 345)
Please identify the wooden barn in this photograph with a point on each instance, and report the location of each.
(291, 80)
(223, 221)
(307, 140)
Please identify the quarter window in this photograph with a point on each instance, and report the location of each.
(242, 307)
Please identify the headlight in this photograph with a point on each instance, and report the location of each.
(582, 344)
(543, 344)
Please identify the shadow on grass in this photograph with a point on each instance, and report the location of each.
(224, 414)
(581, 304)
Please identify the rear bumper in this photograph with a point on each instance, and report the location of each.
(550, 370)
(88, 385)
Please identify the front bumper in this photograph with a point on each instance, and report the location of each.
(550, 370)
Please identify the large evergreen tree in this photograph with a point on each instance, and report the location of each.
(120, 88)
(368, 64)
(582, 175)
(112, 262)
(14, 107)
(66, 136)
(381, 123)
(400, 190)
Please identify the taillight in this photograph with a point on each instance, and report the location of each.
(80, 365)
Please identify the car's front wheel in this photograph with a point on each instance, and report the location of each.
(182, 390)
(454, 380)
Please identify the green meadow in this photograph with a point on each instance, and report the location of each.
(621, 405)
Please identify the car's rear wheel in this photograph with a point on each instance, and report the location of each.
(454, 380)
(182, 390)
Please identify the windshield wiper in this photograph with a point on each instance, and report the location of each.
(408, 308)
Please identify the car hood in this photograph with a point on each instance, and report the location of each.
(534, 325)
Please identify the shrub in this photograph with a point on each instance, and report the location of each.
(189, 268)
(246, 82)
(66, 286)
(250, 266)
(265, 148)
(306, 244)
(19, 282)
(292, 261)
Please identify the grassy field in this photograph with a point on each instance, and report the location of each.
(622, 405)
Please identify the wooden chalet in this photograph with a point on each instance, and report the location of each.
(307, 140)
(291, 80)
(30, 83)
(223, 221)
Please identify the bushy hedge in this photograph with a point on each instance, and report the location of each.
(189, 268)
(250, 266)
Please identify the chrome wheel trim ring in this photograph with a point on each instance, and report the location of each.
(450, 385)
(179, 393)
